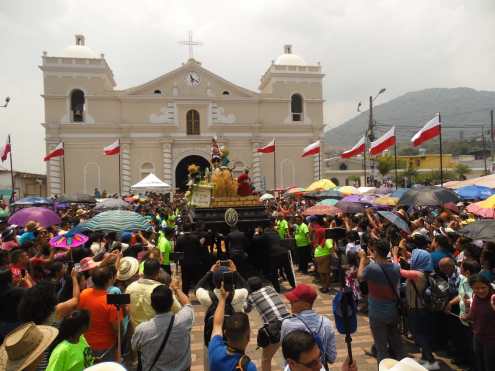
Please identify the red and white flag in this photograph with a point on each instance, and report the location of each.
(5, 150)
(385, 141)
(312, 149)
(354, 151)
(58, 151)
(112, 149)
(429, 131)
(269, 148)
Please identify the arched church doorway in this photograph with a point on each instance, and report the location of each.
(181, 169)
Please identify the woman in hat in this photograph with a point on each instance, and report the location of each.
(23, 347)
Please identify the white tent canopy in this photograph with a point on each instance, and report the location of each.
(151, 183)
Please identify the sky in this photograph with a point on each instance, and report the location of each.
(362, 45)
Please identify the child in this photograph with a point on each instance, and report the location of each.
(482, 314)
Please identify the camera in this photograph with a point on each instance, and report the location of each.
(224, 263)
(118, 299)
(228, 281)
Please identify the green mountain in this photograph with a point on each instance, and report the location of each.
(409, 112)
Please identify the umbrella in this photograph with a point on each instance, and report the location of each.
(332, 193)
(33, 200)
(428, 196)
(396, 220)
(367, 199)
(474, 192)
(321, 185)
(111, 204)
(386, 201)
(297, 191)
(367, 190)
(45, 217)
(322, 210)
(348, 190)
(266, 196)
(328, 202)
(78, 198)
(68, 240)
(398, 192)
(485, 209)
(117, 221)
(349, 207)
(480, 230)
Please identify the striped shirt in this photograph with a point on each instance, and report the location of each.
(268, 304)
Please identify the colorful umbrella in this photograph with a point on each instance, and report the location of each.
(367, 199)
(348, 190)
(33, 200)
(386, 201)
(485, 209)
(349, 207)
(266, 196)
(111, 204)
(321, 185)
(332, 193)
(296, 191)
(398, 192)
(67, 241)
(117, 221)
(328, 202)
(45, 217)
(322, 210)
(396, 220)
(474, 192)
(428, 196)
(78, 198)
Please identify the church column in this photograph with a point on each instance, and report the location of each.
(54, 171)
(167, 161)
(256, 171)
(125, 166)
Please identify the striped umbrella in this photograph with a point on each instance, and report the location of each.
(117, 221)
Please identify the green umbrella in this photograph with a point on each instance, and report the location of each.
(117, 221)
(328, 202)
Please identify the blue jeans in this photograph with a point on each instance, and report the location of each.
(420, 326)
(386, 334)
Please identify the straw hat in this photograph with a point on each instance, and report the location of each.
(128, 267)
(106, 366)
(406, 364)
(24, 345)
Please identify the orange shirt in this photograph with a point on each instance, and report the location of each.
(100, 334)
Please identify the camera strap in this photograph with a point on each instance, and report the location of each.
(164, 342)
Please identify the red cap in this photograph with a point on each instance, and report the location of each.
(302, 292)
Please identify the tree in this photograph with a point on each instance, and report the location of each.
(386, 163)
(461, 170)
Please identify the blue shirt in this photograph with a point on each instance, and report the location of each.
(220, 360)
(438, 255)
(382, 301)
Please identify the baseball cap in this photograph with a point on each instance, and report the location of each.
(302, 292)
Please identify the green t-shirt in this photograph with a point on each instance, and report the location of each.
(282, 228)
(71, 357)
(325, 249)
(302, 235)
(165, 247)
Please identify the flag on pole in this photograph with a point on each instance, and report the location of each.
(312, 149)
(385, 141)
(112, 149)
(354, 151)
(269, 148)
(427, 132)
(58, 151)
(5, 149)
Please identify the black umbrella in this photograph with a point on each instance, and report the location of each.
(480, 230)
(428, 196)
(350, 207)
(331, 193)
(78, 198)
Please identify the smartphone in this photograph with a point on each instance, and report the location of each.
(224, 263)
(118, 299)
(77, 267)
(228, 281)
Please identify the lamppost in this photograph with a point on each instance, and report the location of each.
(40, 182)
(7, 100)
(369, 132)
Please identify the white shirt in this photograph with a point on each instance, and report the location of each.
(238, 301)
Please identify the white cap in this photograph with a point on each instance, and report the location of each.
(106, 366)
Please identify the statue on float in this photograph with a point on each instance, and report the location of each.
(245, 186)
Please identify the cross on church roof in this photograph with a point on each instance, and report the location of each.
(190, 43)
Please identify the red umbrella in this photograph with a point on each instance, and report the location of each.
(322, 210)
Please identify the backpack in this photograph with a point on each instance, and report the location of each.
(436, 294)
(210, 313)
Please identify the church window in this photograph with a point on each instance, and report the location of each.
(77, 101)
(225, 92)
(192, 119)
(296, 107)
(146, 169)
(157, 92)
(342, 166)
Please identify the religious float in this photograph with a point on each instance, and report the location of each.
(219, 200)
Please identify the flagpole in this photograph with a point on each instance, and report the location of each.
(120, 172)
(395, 159)
(11, 170)
(441, 151)
(364, 162)
(274, 172)
(319, 166)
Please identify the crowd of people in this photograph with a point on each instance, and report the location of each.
(126, 297)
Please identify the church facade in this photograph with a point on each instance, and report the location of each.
(168, 123)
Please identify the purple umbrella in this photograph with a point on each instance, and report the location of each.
(45, 217)
(352, 198)
(366, 199)
(349, 207)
